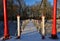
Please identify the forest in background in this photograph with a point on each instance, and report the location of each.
(15, 7)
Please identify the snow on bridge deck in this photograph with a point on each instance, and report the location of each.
(30, 33)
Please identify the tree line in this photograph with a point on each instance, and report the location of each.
(15, 7)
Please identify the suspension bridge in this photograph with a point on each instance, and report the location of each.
(31, 33)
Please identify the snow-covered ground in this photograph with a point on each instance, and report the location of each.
(30, 33)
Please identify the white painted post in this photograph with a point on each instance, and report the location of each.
(37, 22)
(18, 26)
(43, 27)
(37, 25)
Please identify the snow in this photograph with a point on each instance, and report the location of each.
(30, 33)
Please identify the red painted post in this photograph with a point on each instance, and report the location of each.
(6, 31)
(54, 30)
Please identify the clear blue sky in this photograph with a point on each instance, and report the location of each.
(31, 2)
(51, 1)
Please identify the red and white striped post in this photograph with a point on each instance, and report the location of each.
(54, 30)
(6, 30)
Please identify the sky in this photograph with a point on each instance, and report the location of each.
(51, 1)
(32, 2)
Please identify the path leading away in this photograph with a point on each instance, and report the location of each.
(30, 33)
